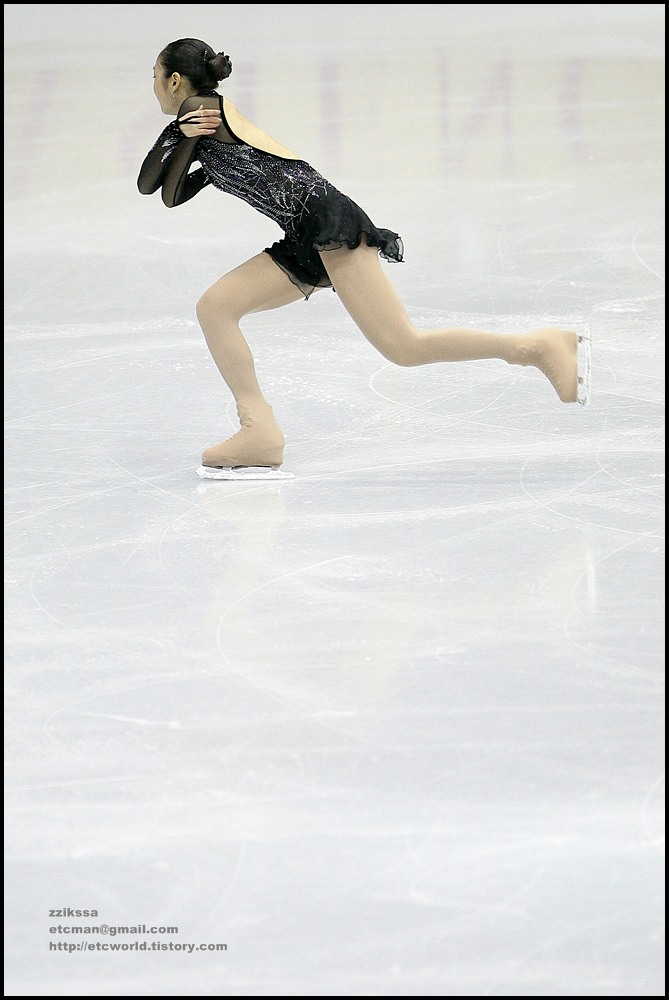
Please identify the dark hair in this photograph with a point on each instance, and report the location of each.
(197, 61)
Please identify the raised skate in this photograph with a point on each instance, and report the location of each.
(565, 358)
(584, 360)
(254, 452)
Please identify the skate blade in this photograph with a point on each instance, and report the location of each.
(244, 473)
(584, 367)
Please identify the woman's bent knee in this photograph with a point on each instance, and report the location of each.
(205, 304)
(214, 302)
(402, 352)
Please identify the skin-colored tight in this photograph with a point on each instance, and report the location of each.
(374, 306)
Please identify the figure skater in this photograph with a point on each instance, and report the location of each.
(328, 242)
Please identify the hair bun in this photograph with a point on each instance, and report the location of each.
(221, 65)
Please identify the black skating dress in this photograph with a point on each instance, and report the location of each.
(312, 213)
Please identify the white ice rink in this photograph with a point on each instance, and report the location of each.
(395, 727)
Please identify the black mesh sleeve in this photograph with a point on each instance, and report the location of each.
(167, 166)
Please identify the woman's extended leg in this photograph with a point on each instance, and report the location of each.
(375, 307)
(254, 286)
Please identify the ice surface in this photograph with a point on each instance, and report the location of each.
(394, 727)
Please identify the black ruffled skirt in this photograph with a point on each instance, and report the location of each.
(329, 220)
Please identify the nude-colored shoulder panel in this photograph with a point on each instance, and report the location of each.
(245, 130)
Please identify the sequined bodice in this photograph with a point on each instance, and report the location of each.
(315, 216)
(277, 188)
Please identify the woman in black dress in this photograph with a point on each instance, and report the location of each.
(328, 242)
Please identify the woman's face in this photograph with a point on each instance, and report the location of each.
(162, 91)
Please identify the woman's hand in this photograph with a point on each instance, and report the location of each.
(204, 121)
